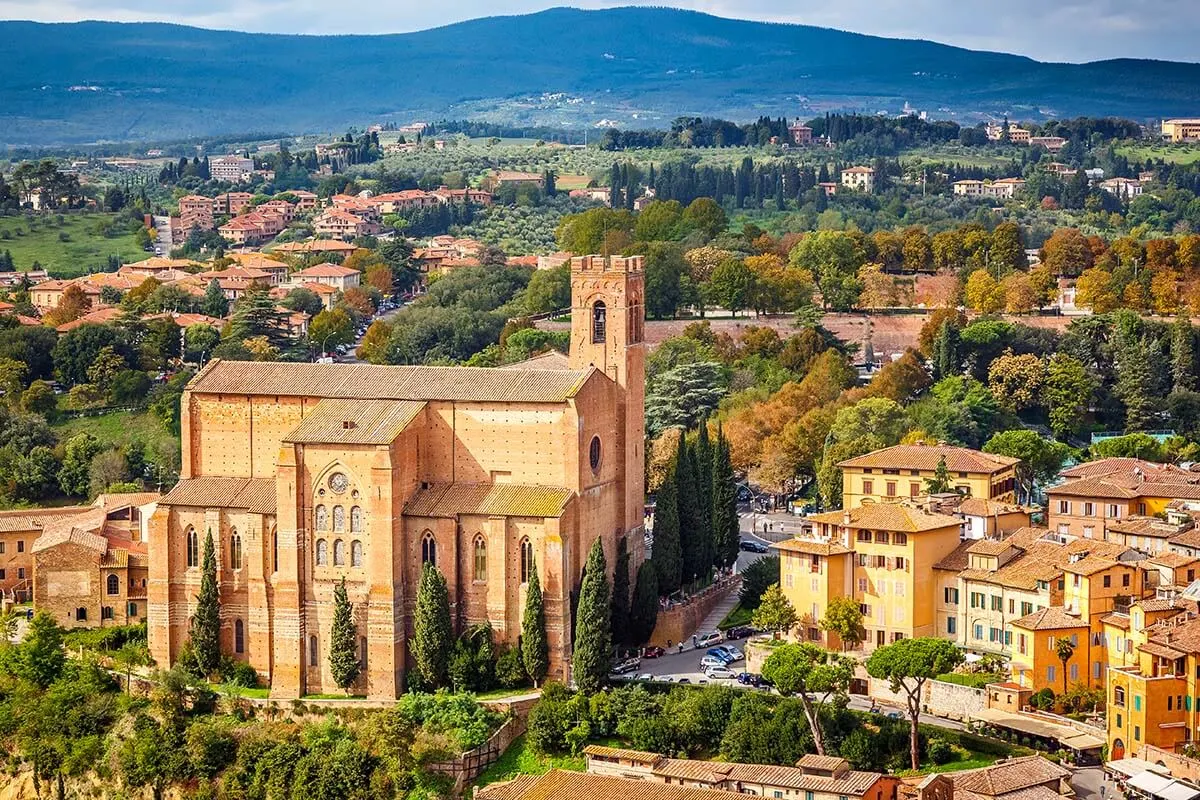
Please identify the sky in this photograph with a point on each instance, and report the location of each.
(1063, 30)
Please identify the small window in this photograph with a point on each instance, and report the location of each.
(113, 584)
(322, 518)
(193, 548)
(313, 651)
(428, 549)
(356, 553)
(20, 545)
(355, 519)
(235, 551)
(106, 612)
(81, 613)
(274, 551)
(339, 519)
(480, 561)
(133, 609)
(322, 553)
(239, 636)
(594, 454)
(527, 565)
(339, 553)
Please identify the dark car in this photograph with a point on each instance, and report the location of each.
(749, 679)
(627, 666)
(652, 652)
(738, 632)
(752, 546)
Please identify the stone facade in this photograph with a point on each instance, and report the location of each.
(304, 474)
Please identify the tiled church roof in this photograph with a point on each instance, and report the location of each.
(485, 499)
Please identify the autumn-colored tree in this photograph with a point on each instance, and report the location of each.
(362, 258)
(1019, 295)
(983, 294)
(1164, 291)
(1067, 252)
(1136, 295)
(1126, 250)
(1045, 283)
(917, 250)
(702, 261)
(889, 249)
(878, 288)
(938, 291)
(1016, 381)
(1187, 254)
(901, 380)
(1007, 251)
(949, 251)
(1160, 253)
(379, 278)
(72, 305)
(141, 293)
(662, 457)
(1096, 290)
(929, 331)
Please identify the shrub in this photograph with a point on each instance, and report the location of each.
(756, 578)
(940, 751)
(510, 672)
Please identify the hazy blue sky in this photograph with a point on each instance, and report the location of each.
(1068, 30)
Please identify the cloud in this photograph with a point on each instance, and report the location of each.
(1072, 30)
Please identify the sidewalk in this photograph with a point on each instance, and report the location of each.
(719, 611)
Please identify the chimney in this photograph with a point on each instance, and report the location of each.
(846, 517)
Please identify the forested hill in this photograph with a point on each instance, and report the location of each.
(87, 81)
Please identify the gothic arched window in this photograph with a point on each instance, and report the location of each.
(480, 558)
(235, 551)
(526, 559)
(193, 548)
(599, 322)
(114, 584)
(322, 552)
(239, 636)
(356, 553)
(355, 519)
(339, 519)
(339, 553)
(428, 549)
(322, 518)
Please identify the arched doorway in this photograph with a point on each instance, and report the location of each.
(1118, 750)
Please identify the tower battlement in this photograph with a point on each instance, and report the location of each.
(609, 264)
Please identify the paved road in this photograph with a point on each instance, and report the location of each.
(163, 226)
(1088, 783)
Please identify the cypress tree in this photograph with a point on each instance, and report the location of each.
(644, 611)
(945, 351)
(206, 622)
(668, 559)
(593, 625)
(703, 456)
(614, 182)
(535, 649)
(1183, 355)
(432, 636)
(620, 600)
(689, 518)
(343, 658)
(726, 530)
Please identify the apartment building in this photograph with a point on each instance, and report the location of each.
(335, 275)
(893, 473)
(231, 168)
(1097, 494)
(1124, 188)
(801, 134)
(882, 555)
(337, 224)
(1181, 130)
(196, 211)
(1002, 189)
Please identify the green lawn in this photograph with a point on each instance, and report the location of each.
(738, 615)
(519, 759)
(258, 693)
(1174, 153)
(121, 427)
(85, 250)
(334, 696)
(498, 694)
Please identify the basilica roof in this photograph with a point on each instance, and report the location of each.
(338, 421)
(256, 495)
(452, 500)
(377, 382)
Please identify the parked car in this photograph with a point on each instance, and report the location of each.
(720, 673)
(719, 652)
(711, 661)
(748, 679)
(709, 639)
(645, 676)
(752, 546)
(626, 666)
(652, 652)
(738, 632)
(684, 680)
(895, 715)
(736, 653)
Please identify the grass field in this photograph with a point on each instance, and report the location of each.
(738, 615)
(1174, 153)
(120, 427)
(84, 250)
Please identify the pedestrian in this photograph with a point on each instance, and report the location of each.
(681, 647)
(694, 642)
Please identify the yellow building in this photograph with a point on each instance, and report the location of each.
(882, 555)
(901, 472)
(1181, 130)
(1098, 498)
(1035, 661)
(1155, 700)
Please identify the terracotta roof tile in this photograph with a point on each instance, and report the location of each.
(369, 381)
(338, 421)
(913, 456)
(811, 547)
(450, 500)
(1012, 775)
(563, 785)
(256, 495)
(957, 559)
(1049, 619)
(888, 516)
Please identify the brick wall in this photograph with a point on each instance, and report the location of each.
(679, 622)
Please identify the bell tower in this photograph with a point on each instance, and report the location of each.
(608, 317)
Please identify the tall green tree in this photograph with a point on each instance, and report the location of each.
(643, 612)
(907, 665)
(812, 675)
(1041, 458)
(726, 530)
(620, 594)
(592, 658)
(1064, 649)
(1183, 355)
(731, 286)
(40, 657)
(775, 613)
(689, 518)
(844, 617)
(256, 316)
(1138, 371)
(1068, 394)
(343, 656)
(535, 649)
(433, 638)
(940, 482)
(206, 622)
(668, 557)
(215, 303)
(946, 358)
(702, 458)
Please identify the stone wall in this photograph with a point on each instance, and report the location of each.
(939, 698)
(1182, 767)
(679, 622)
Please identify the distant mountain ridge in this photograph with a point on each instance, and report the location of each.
(79, 82)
